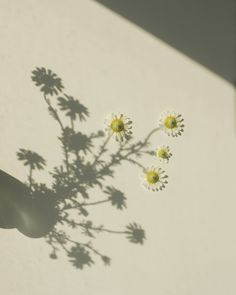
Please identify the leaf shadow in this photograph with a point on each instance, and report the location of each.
(48, 208)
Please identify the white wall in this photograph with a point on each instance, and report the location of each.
(112, 65)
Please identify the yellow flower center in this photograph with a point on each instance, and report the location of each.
(117, 125)
(162, 154)
(170, 122)
(152, 177)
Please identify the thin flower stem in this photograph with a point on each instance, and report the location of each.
(102, 150)
(135, 163)
(56, 116)
(63, 247)
(87, 245)
(77, 156)
(72, 124)
(95, 203)
(101, 229)
(30, 177)
(132, 151)
(54, 112)
(112, 231)
(92, 249)
(151, 133)
(61, 244)
(143, 144)
(87, 204)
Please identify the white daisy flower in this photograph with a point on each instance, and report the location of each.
(163, 153)
(172, 124)
(155, 179)
(120, 126)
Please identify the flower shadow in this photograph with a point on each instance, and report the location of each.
(82, 168)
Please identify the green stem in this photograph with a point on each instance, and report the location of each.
(135, 163)
(130, 152)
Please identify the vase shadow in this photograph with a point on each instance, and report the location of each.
(34, 218)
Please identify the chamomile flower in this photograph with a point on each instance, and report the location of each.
(154, 179)
(172, 124)
(120, 126)
(163, 153)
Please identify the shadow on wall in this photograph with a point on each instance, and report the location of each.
(204, 30)
(38, 210)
